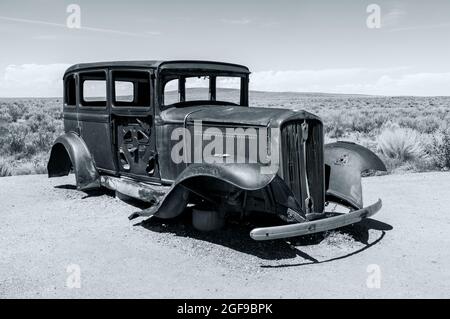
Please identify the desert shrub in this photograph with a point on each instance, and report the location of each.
(14, 140)
(26, 168)
(16, 111)
(40, 167)
(399, 143)
(34, 165)
(440, 149)
(363, 122)
(335, 127)
(5, 168)
(5, 117)
(424, 123)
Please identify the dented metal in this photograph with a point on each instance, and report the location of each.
(346, 162)
(312, 227)
(69, 152)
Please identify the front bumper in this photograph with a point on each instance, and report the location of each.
(317, 226)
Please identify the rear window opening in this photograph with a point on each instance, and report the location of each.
(93, 88)
(131, 88)
(70, 98)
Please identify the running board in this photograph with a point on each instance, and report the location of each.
(144, 192)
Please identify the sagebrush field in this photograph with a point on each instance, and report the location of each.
(409, 133)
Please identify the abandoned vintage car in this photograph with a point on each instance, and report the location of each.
(181, 133)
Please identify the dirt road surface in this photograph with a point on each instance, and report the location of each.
(49, 230)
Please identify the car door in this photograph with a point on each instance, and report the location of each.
(94, 117)
(132, 115)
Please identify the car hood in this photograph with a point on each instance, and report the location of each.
(238, 115)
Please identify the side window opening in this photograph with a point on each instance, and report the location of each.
(70, 91)
(93, 88)
(124, 92)
(131, 88)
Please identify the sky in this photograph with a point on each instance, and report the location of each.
(289, 45)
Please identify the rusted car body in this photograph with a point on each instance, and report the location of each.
(125, 142)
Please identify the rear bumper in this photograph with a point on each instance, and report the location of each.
(317, 226)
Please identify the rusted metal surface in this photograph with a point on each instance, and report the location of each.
(70, 152)
(145, 192)
(243, 176)
(316, 226)
(346, 162)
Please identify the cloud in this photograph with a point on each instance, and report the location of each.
(395, 81)
(34, 80)
(421, 27)
(394, 16)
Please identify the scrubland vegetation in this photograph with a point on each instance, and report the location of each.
(28, 128)
(408, 133)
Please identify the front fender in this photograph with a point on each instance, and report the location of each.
(70, 152)
(243, 176)
(345, 162)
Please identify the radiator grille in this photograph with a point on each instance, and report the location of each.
(292, 163)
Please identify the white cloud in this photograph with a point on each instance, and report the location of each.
(421, 27)
(34, 80)
(393, 17)
(395, 81)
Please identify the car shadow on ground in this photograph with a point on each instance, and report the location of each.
(66, 186)
(90, 193)
(235, 235)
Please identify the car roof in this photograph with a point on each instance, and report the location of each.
(162, 65)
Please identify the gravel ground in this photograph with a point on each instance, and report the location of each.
(47, 226)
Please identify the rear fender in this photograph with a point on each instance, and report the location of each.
(345, 162)
(70, 152)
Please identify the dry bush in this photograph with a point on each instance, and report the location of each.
(440, 149)
(5, 168)
(13, 142)
(29, 126)
(402, 144)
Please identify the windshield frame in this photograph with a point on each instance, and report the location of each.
(167, 76)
